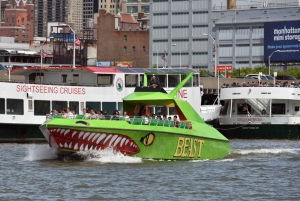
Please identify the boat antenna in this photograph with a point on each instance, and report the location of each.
(174, 92)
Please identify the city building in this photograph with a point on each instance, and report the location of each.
(176, 33)
(48, 11)
(194, 33)
(126, 6)
(122, 39)
(18, 22)
(244, 35)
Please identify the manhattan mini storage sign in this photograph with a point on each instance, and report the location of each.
(282, 36)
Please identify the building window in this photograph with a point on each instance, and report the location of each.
(144, 48)
(125, 49)
(125, 37)
(133, 48)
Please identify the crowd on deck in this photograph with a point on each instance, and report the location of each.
(67, 113)
(262, 84)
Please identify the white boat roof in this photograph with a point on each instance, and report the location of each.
(23, 69)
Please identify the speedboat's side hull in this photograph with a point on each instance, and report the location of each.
(143, 141)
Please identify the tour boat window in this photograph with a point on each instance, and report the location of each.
(30, 105)
(93, 105)
(75, 78)
(173, 80)
(36, 78)
(196, 81)
(131, 80)
(59, 105)
(296, 109)
(109, 106)
(161, 110)
(2, 106)
(161, 78)
(172, 111)
(278, 108)
(64, 78)
(104, 80)
(74, 106)
(243, 108)
(41, 107)
(15, 106)
(189, 83)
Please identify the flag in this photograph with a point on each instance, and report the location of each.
(163, 58)
(215, 48)
(77, 41)
(43, 53)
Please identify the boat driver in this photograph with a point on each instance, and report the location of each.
(154, 82)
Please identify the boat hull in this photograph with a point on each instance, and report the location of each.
(21, 133)
(260, 131)
(151, 142)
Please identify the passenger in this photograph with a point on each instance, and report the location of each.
(146, 119)
(72, 114)
(116, 115)
(85, 114)
(158, 117)
(126, 117)
(69, 113)
(164, 117)
(93, 116)
(64, 114)
(53, 113)
(169, 118)
(176, 122)
(154, 82)
(100, 115)
(105, 114)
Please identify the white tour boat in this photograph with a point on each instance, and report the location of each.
(260, 112)
(23, 106)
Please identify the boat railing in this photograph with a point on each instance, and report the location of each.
(258, 116)
(135, 120)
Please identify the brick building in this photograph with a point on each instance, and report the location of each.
(121, 38)
(18, 22)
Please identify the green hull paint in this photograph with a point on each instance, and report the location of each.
(267, 131)
(169, 142)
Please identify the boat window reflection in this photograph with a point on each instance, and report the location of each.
(105, 80)
(161, 78)
(109, 106)
(173, 80)
(15, 106)
(58, 105)
(41, 107)
(131, 80)
(244, 108)
(189, 83)
(278, 108)
(36, 78)
(2, 106)
(161, 110)
(172, 111)
(74, 106)
(195, 80)
(93, 105)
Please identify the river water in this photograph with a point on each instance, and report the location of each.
(254, 170)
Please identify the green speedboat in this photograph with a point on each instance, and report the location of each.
(189, 139)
